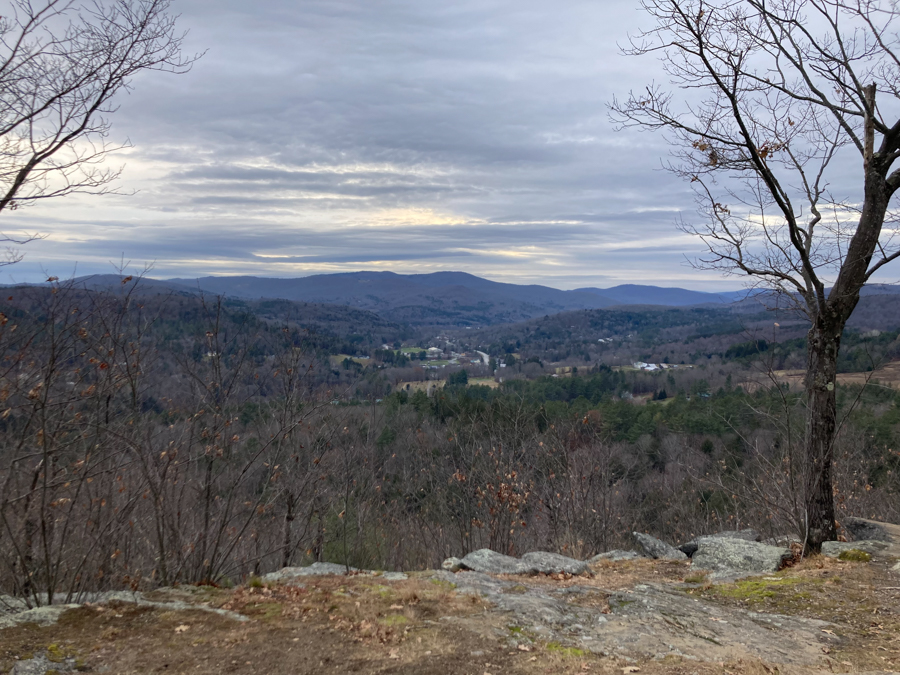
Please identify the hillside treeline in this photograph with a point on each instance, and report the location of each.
(148, 443)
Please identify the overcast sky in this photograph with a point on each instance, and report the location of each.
(404, 135)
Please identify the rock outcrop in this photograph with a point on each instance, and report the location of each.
(40, 664)
(541, 562)
(314, 570)
(863, 529)
(833, 549)
(616, 555)
(452, 564)
(691, 547)
(490, 562)
(538, 562)
(319, 569)
(730, 558)
(656, 548)
(646, 621)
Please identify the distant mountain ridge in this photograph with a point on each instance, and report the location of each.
(440, 298)
(452, 298)
(635, 294)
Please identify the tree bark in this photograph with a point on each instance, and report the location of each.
(823, 343)
(287, 548)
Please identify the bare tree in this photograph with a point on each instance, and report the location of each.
(61, 65)
(775, 99)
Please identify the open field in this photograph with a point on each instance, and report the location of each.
(484, 381)
(886, 376)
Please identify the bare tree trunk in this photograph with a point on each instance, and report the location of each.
(287, 547)
(823, 343)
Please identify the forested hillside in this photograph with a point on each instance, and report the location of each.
(150, 439)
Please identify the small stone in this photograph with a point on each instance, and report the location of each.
(656, 548)
(452, 564)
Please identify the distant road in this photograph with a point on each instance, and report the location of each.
(485, 357)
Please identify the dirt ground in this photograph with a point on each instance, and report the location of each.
(362, 624)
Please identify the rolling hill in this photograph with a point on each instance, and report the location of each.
(443, 298)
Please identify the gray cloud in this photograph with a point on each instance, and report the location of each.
(333, 135)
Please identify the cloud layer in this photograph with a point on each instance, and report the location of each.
(339, 135)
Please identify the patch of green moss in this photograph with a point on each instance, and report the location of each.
(58, 654)
(569, 652)
(756, 590)
(255, 582)
(54, 653)
(855, 555)
(446, 585)
(394, 620)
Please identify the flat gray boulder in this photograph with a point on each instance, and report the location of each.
(863, 529)
(40, 665)
(315, 570)
(490, 562)
(690, 548)
(655, 548)
(553, 563)
(833, 549)
(731, 558)
(616, 555)
(42, 616)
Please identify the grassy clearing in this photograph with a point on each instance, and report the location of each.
(758, 590)
(337, 360)
(484, 382)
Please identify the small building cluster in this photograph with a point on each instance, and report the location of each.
(650, 367)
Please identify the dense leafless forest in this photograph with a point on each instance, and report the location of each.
(159, 439)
